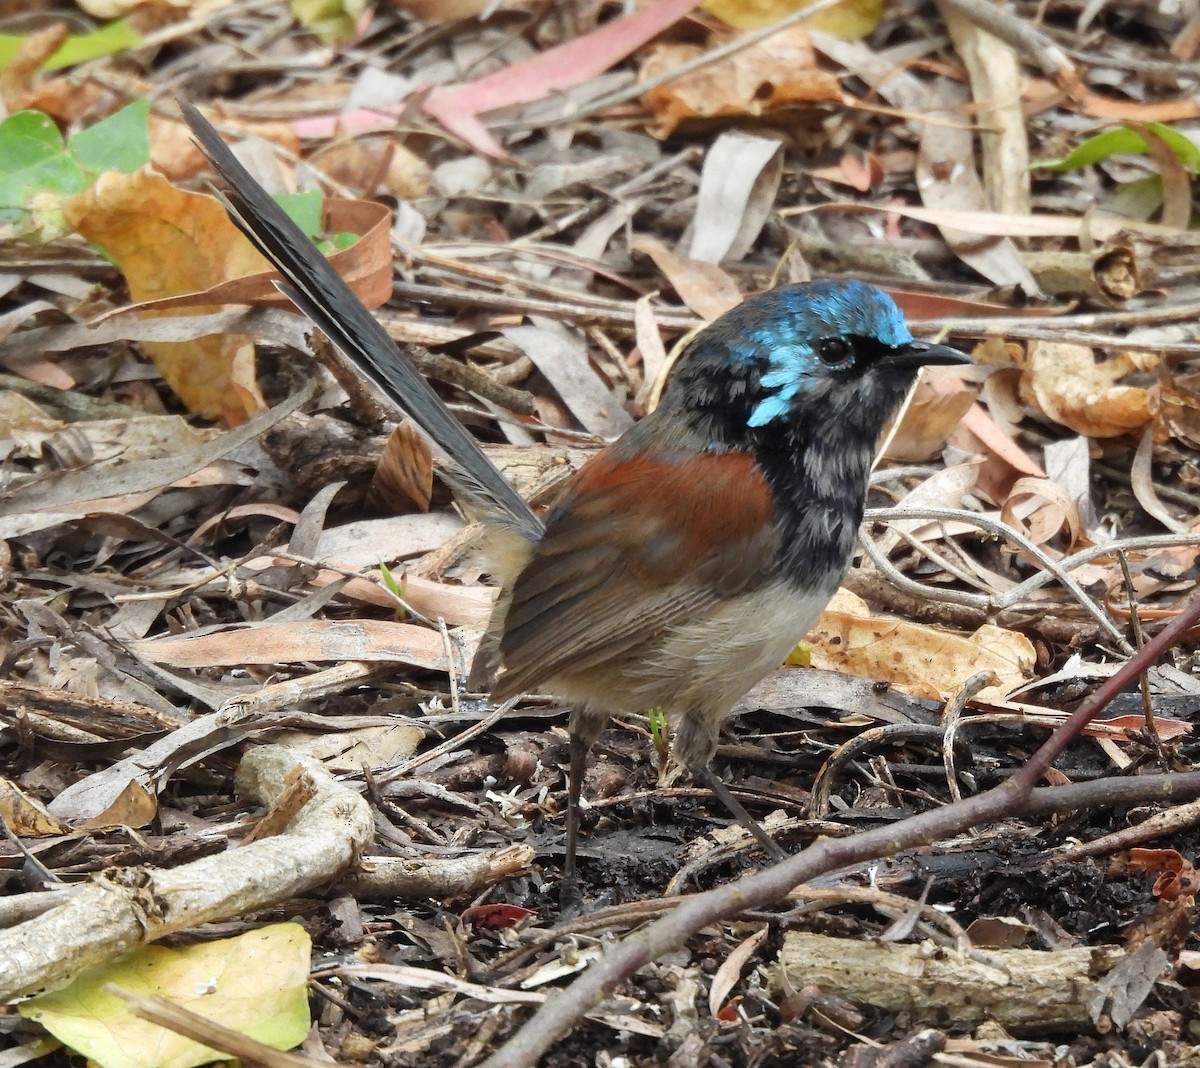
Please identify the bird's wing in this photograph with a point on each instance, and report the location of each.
(636, 547)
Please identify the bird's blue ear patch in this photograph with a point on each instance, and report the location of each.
(771, 408)
(786, 377)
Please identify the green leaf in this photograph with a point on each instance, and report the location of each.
(255, 983)
(26, 139)
(120, 142)
(1123, 141)
(108, 40)
(32, 161)
(304, 209)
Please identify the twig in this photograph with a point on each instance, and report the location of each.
(995, 601)
(1031, 42)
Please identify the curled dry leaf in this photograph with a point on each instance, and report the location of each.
(404, 476)
(1113, 276)
(920, 660)
(1071, 387)
(25, 815)
(19, 75)
(1180, 406)
(779, 72)
(1042, 509)
(66, 99)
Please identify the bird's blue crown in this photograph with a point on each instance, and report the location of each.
(785, 326)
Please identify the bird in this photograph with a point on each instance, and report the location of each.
(683, 561)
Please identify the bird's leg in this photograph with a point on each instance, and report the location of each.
(569, 895)
(585, 727)
(705, 776)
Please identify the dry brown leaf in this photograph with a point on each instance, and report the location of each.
(778, 72)
(371, 640)
(920, 660)
(168, 241)
(945, 488)
(1041, 509)
(928, 421)
(366, 265)
(174, 153)
(66, 99)
(1071, 387)
(404, 475)
(135, 806)
(1180, 407)
(373, 165)
(18, 77)
(704, 287)
(26, 816)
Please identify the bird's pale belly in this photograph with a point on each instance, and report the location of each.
(697, 670)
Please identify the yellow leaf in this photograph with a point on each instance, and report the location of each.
(168, 241)
(255, 983)
(921, 660)
(849, 20)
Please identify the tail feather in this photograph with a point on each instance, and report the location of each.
(323, 295)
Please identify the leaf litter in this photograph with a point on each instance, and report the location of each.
(579, 189)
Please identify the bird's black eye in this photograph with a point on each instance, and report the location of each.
(833, 350)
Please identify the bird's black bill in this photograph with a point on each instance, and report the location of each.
(921, 353)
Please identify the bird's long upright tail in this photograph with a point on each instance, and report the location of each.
(323, 295)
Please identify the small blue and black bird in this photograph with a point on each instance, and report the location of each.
(685, 560)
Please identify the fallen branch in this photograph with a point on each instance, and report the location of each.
(124, 908)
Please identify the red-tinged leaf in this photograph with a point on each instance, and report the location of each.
(855, 171)
(498, 916)
(1172, 886)
(1167, 728)
(918, 306)
(457, 107)
(1177, 877)
(1156, 860)
(979, 423)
